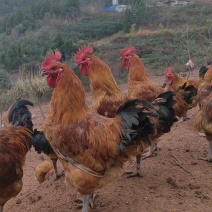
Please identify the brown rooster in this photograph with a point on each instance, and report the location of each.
(91, 147)
(173, 81)
(203, 118)
(106, 95)
(14, 145)
(141, 87)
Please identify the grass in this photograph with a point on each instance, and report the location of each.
(33, 89)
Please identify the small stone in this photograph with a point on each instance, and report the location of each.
(18, 201)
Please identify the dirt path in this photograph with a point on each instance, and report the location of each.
(173, 179)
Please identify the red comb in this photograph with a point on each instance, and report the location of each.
(127, 50)
(51, 57)
(169, 70)
(82, 52)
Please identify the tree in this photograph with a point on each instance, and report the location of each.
(5, 82)
(127, 20)
(58, 42)
(72, 8)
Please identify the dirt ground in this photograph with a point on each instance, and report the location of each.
(174, 179)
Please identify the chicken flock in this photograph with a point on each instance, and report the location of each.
(94, 141)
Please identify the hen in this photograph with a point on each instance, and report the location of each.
(141, 87)
(106, 95)
(14, 145)
(91, 147)
(203, 118)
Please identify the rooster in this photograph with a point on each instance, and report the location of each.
(106, 95)
(173, 81)
(14, 145)
(203, 118)
(141, 87)
(91, 147)
(16, 114)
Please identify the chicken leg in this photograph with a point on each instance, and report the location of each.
(137, 172)
(209, 156)
(54, 162)
(88, 199)
(140, 157)
(150, 151)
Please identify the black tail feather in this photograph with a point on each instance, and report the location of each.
(135, 123)
(190, 93)
(203, 71)
(166, 111)
(40, 143)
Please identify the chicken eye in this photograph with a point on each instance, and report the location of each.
(54, 68)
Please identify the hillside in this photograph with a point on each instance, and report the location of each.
(163, 36)
(33, 28)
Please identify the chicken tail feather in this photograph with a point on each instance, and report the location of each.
(135, 123)
(165, 110)
(189, 94)
(40, 143)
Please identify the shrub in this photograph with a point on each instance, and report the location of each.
(5, 82)
(34, 89)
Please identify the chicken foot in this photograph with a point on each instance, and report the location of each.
(182, 119)
(137, 172)
(209, 156)
(201, 134)
(58, 175)
(88, 199)
(150, 151)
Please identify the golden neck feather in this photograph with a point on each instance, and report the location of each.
(68, 98)
(137, 70)
(101, 78)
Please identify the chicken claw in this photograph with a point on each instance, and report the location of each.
(91, 200)
(58, 175)
(137, 172)
(201, 134)
(150, 152)
(208, 158)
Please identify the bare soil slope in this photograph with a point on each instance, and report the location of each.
(173, 179)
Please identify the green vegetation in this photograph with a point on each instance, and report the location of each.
(35, 89)
(30, 28)
(5, 82)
